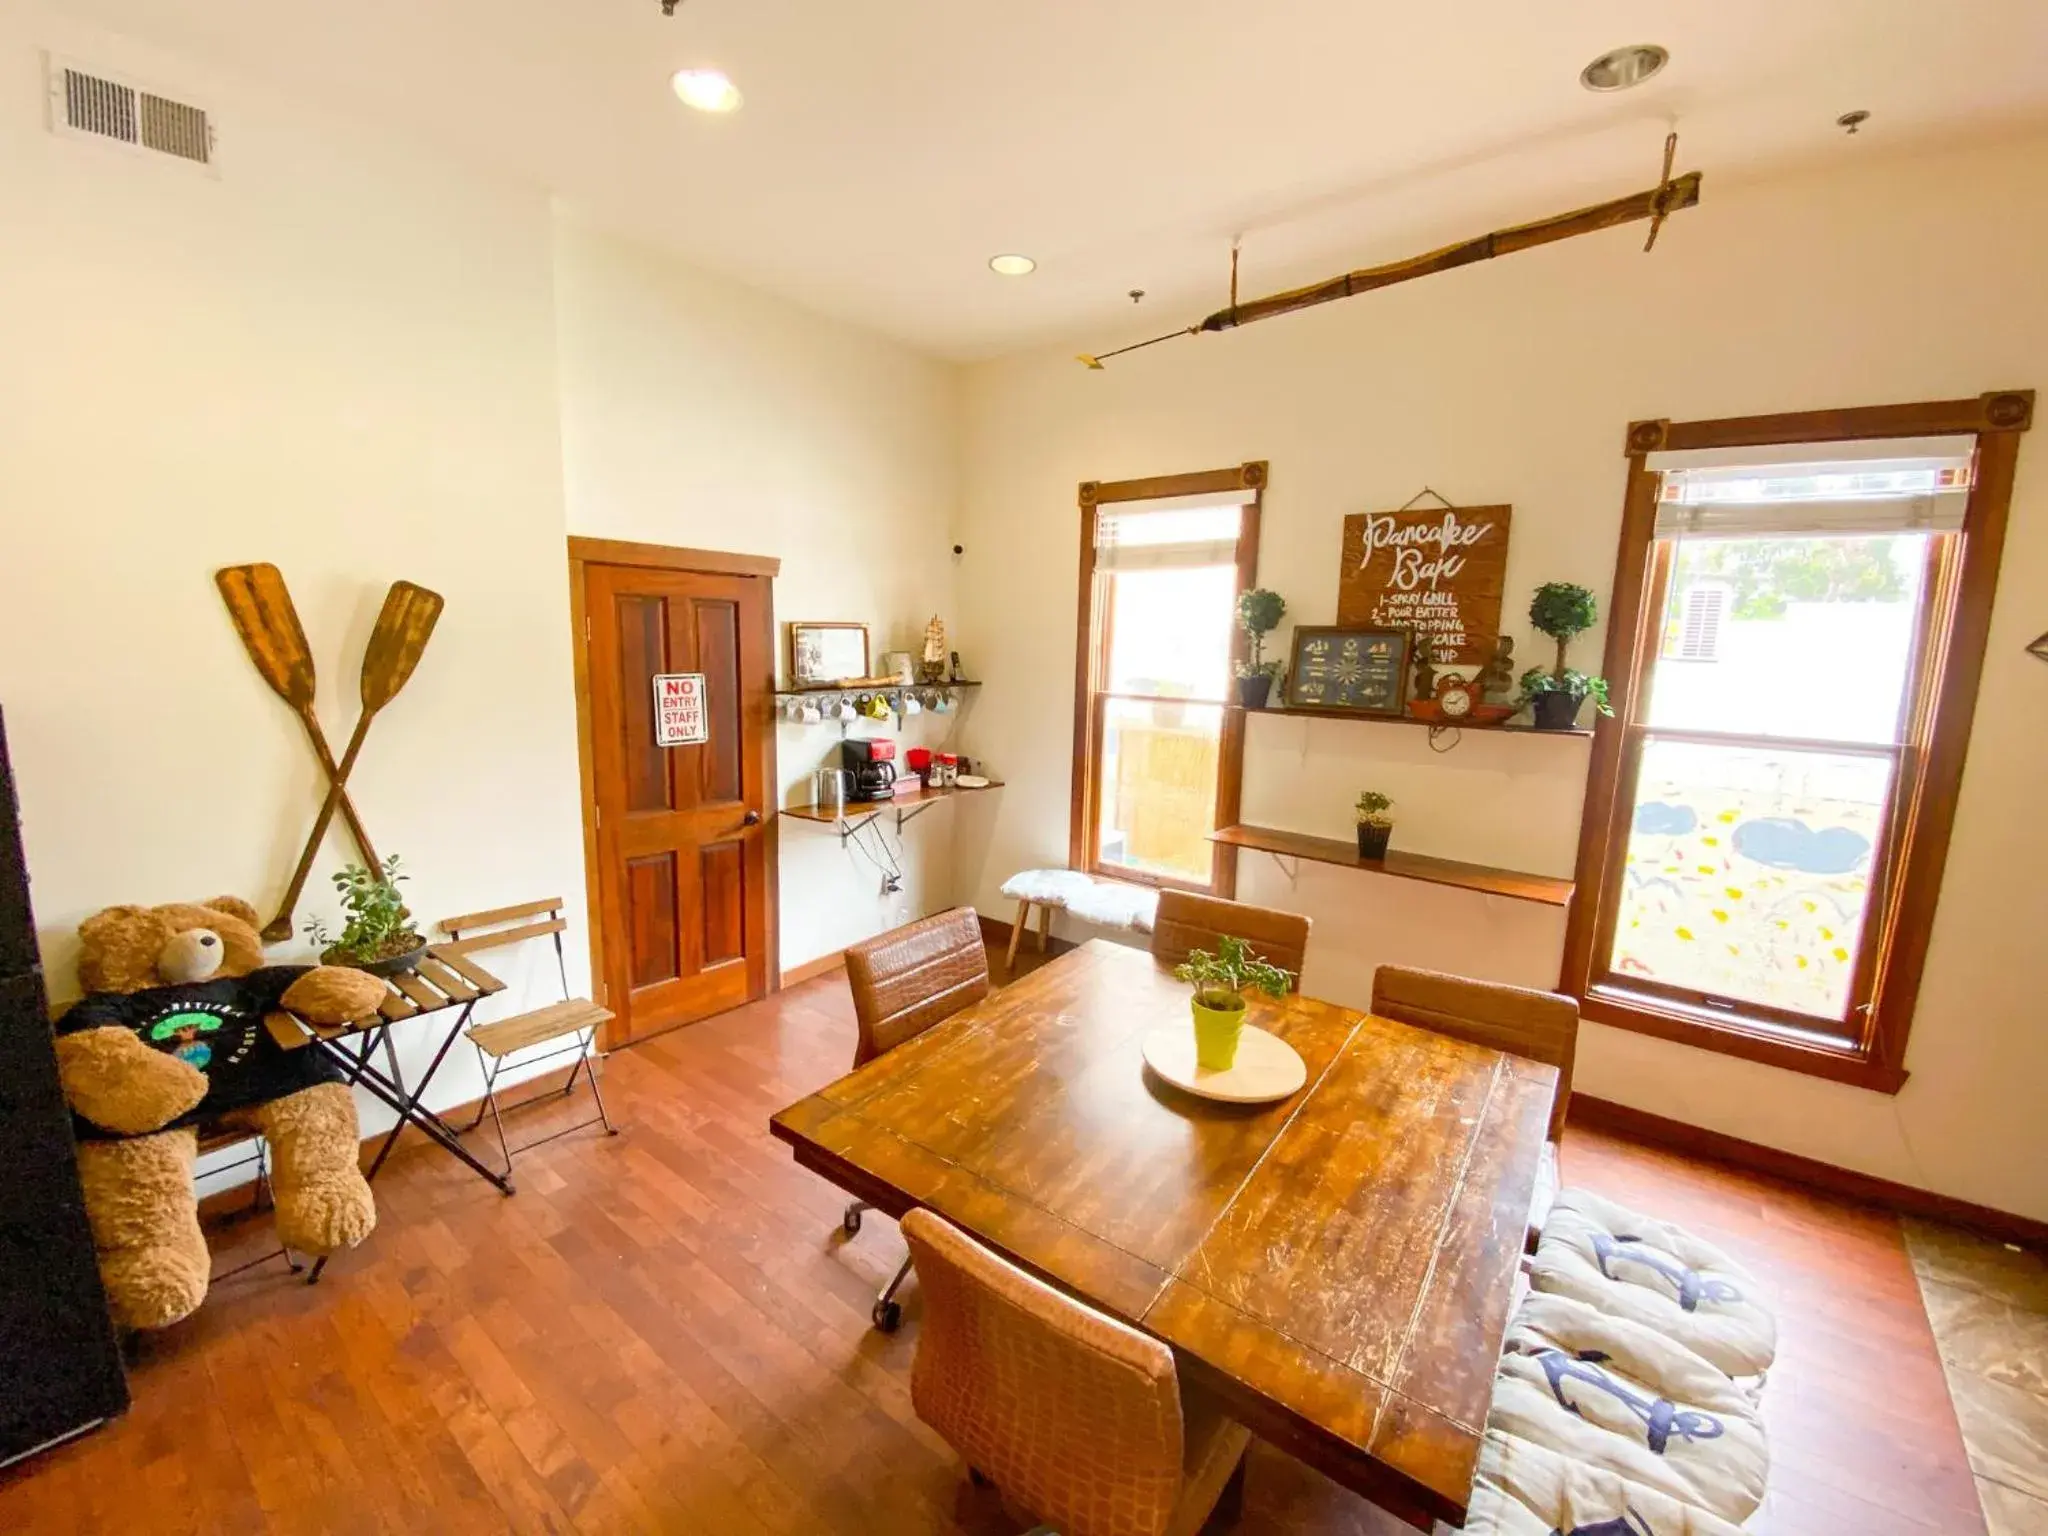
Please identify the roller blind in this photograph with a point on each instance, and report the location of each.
(1175, 533)
(1811, 497)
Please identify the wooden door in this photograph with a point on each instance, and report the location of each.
(682, 833)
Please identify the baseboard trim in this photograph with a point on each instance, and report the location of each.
(811, 970)
(1845, 1183)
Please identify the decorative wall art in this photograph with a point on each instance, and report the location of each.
(1436, 570)
(827, 653)
(1670, 195)
(1349, 667)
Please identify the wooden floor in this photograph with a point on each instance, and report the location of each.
(664, 1332)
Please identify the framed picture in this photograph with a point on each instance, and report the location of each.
(1349, 666)
(821, 653)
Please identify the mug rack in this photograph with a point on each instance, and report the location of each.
(929, 697)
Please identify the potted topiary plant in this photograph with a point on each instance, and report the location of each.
(378, 935)
(1258, 615)
(1219, 981)
(1563, 612)
(1375, 826)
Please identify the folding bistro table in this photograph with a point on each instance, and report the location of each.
(445, 983)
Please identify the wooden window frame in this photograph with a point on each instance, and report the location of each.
(1091, 649)
(1943, 689)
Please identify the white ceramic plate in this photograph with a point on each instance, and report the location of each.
(972, 781)
(1267, 1068)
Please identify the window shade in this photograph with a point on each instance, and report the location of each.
(1173, 534)
(1808, 498)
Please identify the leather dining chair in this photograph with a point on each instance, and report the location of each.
(1079, 1420)
(1539, 1026)
(905, 981)
(1187, 921)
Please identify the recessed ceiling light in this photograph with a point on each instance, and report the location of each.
(1012, 266)
(707, 90)
(1624, 67)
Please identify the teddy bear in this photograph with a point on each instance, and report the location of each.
(174, 1031)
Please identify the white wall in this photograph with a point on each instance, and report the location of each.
(338, 357)
(699, 413)
(1512, 382)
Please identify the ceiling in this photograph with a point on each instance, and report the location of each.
(888, 148)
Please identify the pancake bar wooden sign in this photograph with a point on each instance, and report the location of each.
(1435, 570)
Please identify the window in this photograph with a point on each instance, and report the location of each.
(1157, 750)
(1798, 622)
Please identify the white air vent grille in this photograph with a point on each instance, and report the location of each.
(87, 103)
(104, 107)
(173, 128)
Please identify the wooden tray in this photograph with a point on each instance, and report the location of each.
(1267, 1068)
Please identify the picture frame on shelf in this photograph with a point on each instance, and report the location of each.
(1353, 667)
(822, 651)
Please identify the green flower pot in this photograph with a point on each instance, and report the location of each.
(1217, 1031)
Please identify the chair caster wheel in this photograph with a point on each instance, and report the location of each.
(850, 1222)
(888, 1316)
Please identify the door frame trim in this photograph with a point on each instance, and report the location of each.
(584, 553)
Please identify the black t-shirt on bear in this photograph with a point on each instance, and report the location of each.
(216, 1026)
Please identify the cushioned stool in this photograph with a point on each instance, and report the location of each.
(1661, 1276)
(1624, 1399)
(1104, 903)
(1526, 1490)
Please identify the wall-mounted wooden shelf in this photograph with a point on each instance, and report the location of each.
(1317, 712)
(1484, 878)
(908, 805)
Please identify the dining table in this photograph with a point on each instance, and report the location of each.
(1336, 1269)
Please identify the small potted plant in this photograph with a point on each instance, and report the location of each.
(1375, 826)
(1563, 612)
(377, 935)
(1219, 981)
(1258, 615)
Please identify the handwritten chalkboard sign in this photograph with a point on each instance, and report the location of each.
(1338, 667)
(1435, 570)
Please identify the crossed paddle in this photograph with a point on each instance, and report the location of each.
(261, 607)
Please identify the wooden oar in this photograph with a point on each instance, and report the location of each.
(403, 627)
(268, 623)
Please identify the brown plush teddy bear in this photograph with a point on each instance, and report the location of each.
(173, 1032)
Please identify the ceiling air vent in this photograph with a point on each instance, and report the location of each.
(93, 104)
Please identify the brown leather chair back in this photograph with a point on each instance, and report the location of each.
(911, 978)
(1541, 1026)
(1187, 921)
(1073, 1415)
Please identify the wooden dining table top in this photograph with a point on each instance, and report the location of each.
(1337, 1268)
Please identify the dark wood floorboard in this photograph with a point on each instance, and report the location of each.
(665, 1331)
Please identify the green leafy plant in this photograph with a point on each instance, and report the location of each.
(1577, 684)
(1258, 615)
(376, 923)
(1220, 979)
(1564, 611)
(1372, 809)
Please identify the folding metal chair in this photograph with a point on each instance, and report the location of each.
(573, 1022)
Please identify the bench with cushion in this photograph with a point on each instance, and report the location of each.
(1659, 1275)
(1621, 1399)
(1105, 903)
(1525, 1490)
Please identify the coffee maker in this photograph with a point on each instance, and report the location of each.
(870, 768)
